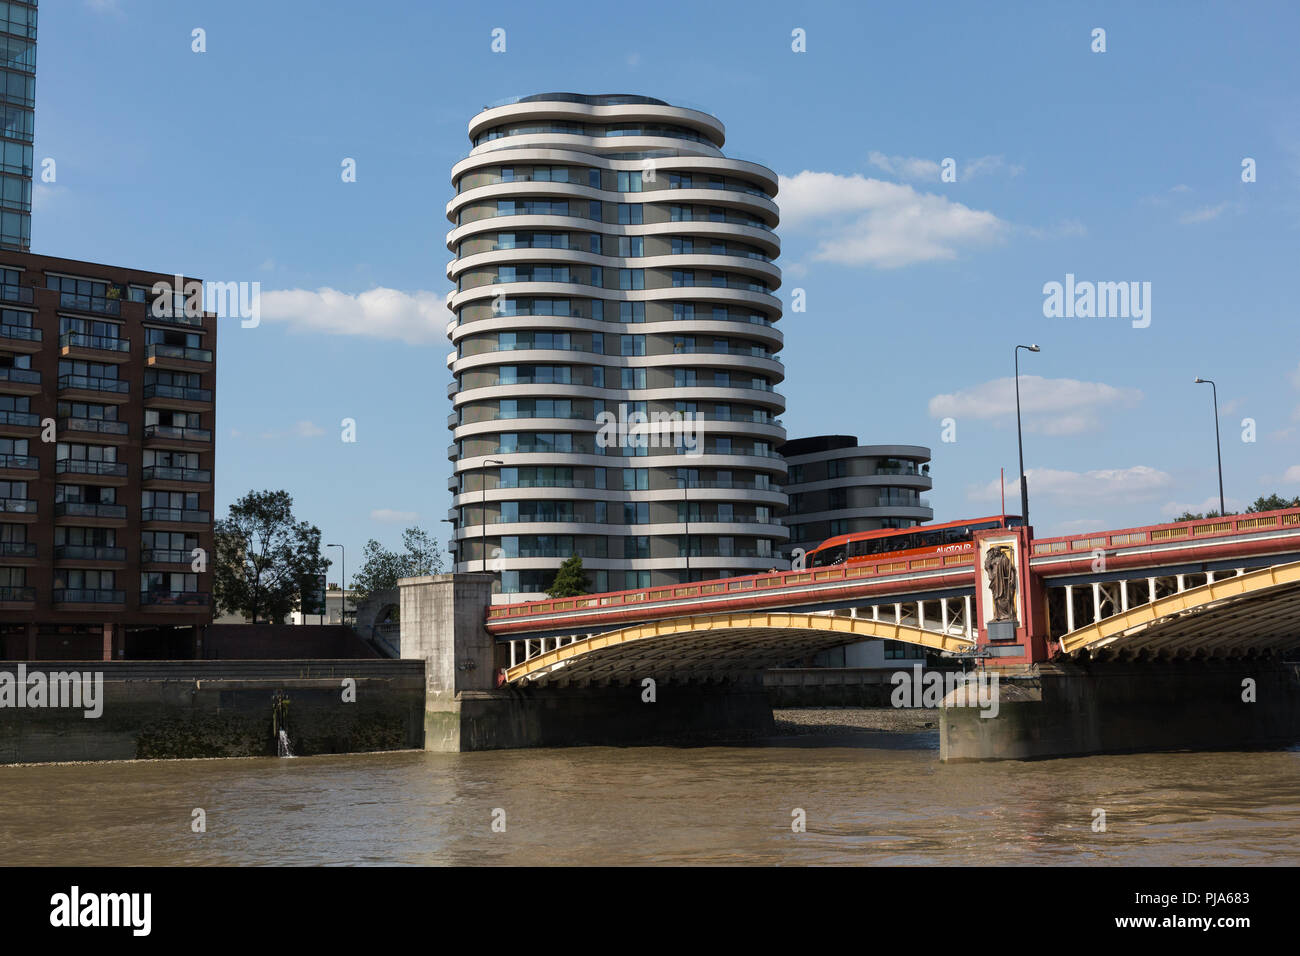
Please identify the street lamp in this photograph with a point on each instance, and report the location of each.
(1218, 448)
(343, 605)
(1020, 442)
(483, 535)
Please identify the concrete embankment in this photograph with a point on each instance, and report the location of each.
(151, 709)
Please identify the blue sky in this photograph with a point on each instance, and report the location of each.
(1117, 166)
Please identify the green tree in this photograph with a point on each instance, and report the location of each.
(570, 579)
(381, 568)
(267, 562)
(1273, 502)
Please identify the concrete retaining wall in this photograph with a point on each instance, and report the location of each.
(1071, 710)
(222, 709)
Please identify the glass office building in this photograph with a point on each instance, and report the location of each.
(18, 101)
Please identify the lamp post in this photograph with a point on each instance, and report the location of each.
(343, 605)
(1218, 448)
(483, 535)
(1020, 442)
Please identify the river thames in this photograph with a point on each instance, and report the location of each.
(868, 799)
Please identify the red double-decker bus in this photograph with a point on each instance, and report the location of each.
(951, 537)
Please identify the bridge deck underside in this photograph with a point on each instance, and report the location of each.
(1260, 612)
(713, 647)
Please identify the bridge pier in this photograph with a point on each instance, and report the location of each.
(442, 618)
(1067, 709)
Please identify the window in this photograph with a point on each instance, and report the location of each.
(594, 211)
(636, 479)
(631, 311)
(636, 512)
(629, 182)
(593, 178)
(683, 311)
(637, 546)
(682, 246)
(631, 246)
(631, 278)
(632, 378)
(629, 214)
(631, 345)
(683, 277)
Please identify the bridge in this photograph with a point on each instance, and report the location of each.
(1221, 586)
(1222, 592)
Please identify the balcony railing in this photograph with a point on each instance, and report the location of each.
(23, 333)
(89, 552)
(102, 343)
(187, 515)
(18, 549)
(160, 350)
(30, 419)
(166, 556)
(26, 376)
(178, 391)
(165, 473)
(17, 506)
(89, 303)
(15, 293)
(99, 426)
(172, 317)
(93, 383)
(89, 596)
(82, 466)
(20, 462)
(178, 598)
(88, 509)
(17, 594)
(178, 432)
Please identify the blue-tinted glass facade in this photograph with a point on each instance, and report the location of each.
(17, 120)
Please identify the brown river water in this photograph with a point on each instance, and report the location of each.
(868, 799)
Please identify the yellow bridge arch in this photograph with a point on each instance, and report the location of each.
(1259, 610)
(716, 645)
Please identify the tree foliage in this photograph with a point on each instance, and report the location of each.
(267, 562)
(1273, 502)
(570, 579)
(381, 568)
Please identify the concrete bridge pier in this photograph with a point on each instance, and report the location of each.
(1074, 709)
(442, 620)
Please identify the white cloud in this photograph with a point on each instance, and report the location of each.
(1105, 486)
(920, 169)
(864, 221)
(104, 6)
(1292, 474)
(389, 516)
(1204, 214)
(1173, 509)
(417, 318)
(1049, 406)
(305, 429)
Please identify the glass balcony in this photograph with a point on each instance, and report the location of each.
(101, 343)
(89, 303)
(161, 473)
(187, 515)
(93, 384)
(20, 462)
(27, 419)
(15, 293)
(89, 552)
(177, 598)
(165, 556)
(172, 317)
(98, 426)
(17, 594)
(17, 506)
(25, 376)
(159, 350)
(81, 466)
(22, 333)
(18, 549)
(87, 509)
(177, 391)
(178, 432)
(89, 596)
